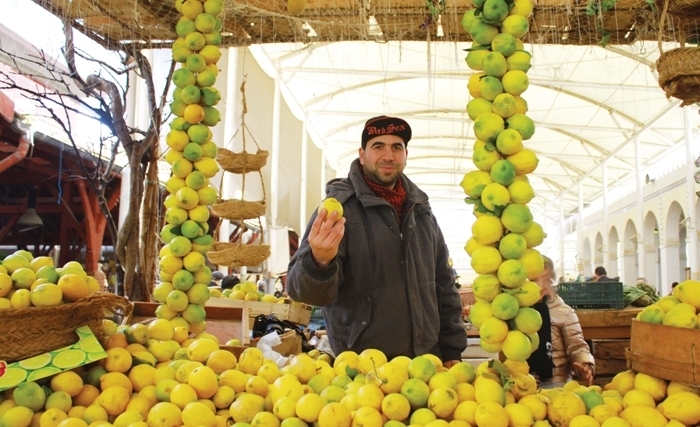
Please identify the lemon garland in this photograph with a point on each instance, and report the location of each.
(184, 276)
(504, 233)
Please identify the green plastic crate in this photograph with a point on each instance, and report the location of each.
(592, 295)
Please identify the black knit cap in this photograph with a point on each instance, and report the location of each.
(386, 125)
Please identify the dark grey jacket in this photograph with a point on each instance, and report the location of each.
(388, 288)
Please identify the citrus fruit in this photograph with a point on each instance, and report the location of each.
(515, 25)
(516, 218)
(512, 273)
(512, 246)
(487, 230)
(495, 10)
(533, 262)
(504, 106)
(495, 197)
(503, 172)
(504, 44)
(490, 87)
(486, 260)
(494, 63)
(475, 57)
(515, 82)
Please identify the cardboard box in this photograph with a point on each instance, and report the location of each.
(225, 323)
(295, 313)
(86, 350)
(676, 360)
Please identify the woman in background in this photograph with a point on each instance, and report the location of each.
(562, 353)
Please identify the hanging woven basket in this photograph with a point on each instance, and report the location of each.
(681, 8)
(238, 255)
(243, 162)
(238, 210)
(679, 74)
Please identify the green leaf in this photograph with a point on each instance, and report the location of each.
(503, 372)
(498, 210)
(490, 146)
(470, 201)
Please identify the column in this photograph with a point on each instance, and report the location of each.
(303, 219)
(670, 266)
(580, 257)
(323, 172)
(562, 264)
(691, 231)
(231, 122)
(606, 228)
(274, 235)
(639, 221)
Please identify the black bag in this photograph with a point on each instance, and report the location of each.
(267, 323)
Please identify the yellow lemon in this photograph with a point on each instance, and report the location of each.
(525, 161)
(487, 230)
(533, 262)
(521, 192)
(563, 407)
(480, 311)
(474, 182)
(643, 416)
(488, 125)
(534, 236)
(491, 414)
(512, 273)
(495, 197)
(203, 380)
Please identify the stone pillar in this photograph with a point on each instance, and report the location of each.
(670, 267)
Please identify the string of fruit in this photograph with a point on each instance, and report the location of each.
(504, 233)
(183, 271)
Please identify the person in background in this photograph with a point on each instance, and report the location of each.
(229, 282)
(216, 277)
(601, 275)
(563, 353)
(673, 286)
(380, 271)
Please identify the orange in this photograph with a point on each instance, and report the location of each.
(118, 360)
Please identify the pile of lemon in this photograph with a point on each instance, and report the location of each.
(681, 309)
(248, 291)
(504, 233)
(191, 154)
(26, 281)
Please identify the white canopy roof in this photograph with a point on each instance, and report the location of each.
(588, 103)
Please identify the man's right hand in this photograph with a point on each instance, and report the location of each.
(325, 236)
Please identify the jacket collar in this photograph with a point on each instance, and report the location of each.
(414, 194)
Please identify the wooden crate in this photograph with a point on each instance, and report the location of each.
(295, 313)
(225, 323)
(665, 352)
(609, 355)
(601, 324)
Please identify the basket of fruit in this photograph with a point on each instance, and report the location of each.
(237, 254)
(236, 210)
(242, 162)
(30, 331)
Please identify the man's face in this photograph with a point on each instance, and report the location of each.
(384, 158)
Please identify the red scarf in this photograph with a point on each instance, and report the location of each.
(396, 196)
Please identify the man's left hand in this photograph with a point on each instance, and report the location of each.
(450, 363)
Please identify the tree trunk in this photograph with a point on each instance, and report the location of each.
(150, 224)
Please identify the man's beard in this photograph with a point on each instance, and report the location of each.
(380, 179)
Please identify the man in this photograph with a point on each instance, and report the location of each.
(380, 272)
(601, 275)
(216, 277)
(229, 282)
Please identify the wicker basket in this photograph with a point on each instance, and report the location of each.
(241, 162)
(679, 74)
(681, 8)
(30, 331)
(236, 210)
(238, 255)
